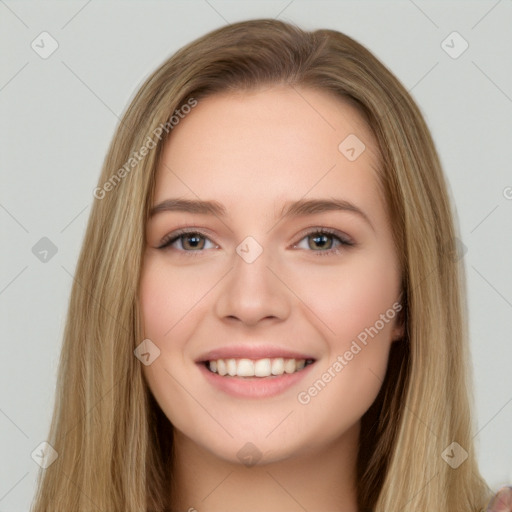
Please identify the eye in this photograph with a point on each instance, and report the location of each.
(320, 240)
(325, 241)
(190, 241)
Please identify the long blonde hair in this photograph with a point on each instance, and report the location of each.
(113, 442)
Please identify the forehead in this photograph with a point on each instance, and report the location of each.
(269, 145)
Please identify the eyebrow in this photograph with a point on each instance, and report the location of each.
(298, 208)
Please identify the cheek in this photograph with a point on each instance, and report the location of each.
(354, 310)
(168, 296)
(155, 300)
(353, 298)
(172, 302)
(165, 298)
(357, 308)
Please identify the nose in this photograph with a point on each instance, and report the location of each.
(253, 291)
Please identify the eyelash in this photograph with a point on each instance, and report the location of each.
(343, 240)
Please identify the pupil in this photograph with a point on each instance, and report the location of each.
(318, 239)
(194, 243)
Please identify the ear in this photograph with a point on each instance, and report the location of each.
(398, 332)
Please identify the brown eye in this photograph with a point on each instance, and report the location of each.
(325, 242)
(322, 241)
(192, 241)
(186, 241)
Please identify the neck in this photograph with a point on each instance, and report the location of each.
(324, 479)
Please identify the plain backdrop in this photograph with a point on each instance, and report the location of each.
(58, 115)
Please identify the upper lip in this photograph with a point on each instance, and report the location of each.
(251, 352)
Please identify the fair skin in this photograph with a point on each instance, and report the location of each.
(252, 152)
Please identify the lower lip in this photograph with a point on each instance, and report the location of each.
(254, 387)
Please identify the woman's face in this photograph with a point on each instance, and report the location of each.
(288, 271)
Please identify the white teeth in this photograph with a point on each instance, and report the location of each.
(231, 366)
(245, 368)
(262, 368)
(256, 368)
(278, 366)
(289, 365)
(221, 367)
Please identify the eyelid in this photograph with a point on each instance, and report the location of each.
(175, 235)
(343, 238)
(331, 231)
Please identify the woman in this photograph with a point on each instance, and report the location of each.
(267, 377)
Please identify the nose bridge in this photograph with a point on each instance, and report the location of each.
(251, 290)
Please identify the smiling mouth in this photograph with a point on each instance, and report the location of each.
(267, 367)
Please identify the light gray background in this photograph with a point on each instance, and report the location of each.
(58, 116)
